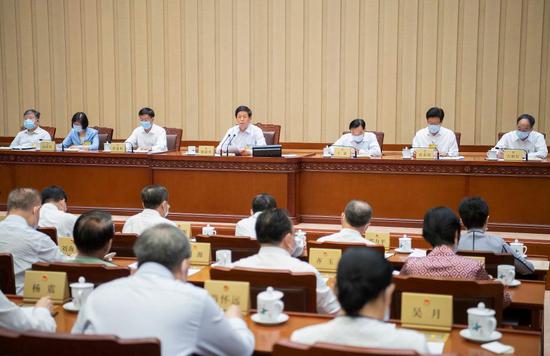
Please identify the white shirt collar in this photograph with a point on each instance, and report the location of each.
(273, 250)
(50, 206)
(150, 212)
(155, 269)
(17, 219)
(349, 231)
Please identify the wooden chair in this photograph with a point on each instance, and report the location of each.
(342, 246)
(458, 135)
(49, 129)
(123, 244)
(105, 135)
(94, 273)
(50, 231)
(466, 294)
(272, 133)
(288, 348)
(492, 260)
(173, 138)
(7, 275)
(299, 288)
(379, 137)
(240, 246)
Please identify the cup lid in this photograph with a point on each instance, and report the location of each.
(271, 294)
(481, 310)
(82, 283)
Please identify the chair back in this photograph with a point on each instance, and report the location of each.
(492, 260)
(240, 246)
(466, 294)
(500, 134)
(50, 231)
(458, 135)
(7, 275)
(9, 342)
(288, 348)
(299, 288)
(272, 133)
(342, 246)
(123, 244)
(105, 135)
(173, 138)
(94, 273)
(49, 129)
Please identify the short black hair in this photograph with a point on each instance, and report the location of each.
(473, 212)
(263, 202)
(527, 117)
(53, 193)
(32, 111)
(147, 111)
(362, 275)
(441, 226)
(356, 123)
(272, 226)
(82, 117)
(153, 195)
(93, 230)
(358, 213)
(435, 112)
(24, 199)
(243, 108)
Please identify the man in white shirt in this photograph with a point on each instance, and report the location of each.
(16, 318)
(275, 234)
(149, 136)
(364, 143)
(33, 133)
(435, 135)
(157, 301)
(53, 212)
(241, 138)
(247, 226)
(525, 138)
(18, 236)
(155, 210)
(355, 221)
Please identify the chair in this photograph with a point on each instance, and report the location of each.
(123, 244)
(379, 137)
(49, 129)
(466, 294)
(500, 134)
(288, 348)
(492, 260)
(272, 133)
(458, 135)
(299, 288)
(7, 275)
(240, 246)
(342, 246)
(105, 135)
(173, 138)
(94, 273)
(50, 231)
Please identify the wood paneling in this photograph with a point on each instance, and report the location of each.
(309, 65)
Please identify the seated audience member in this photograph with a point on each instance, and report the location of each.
(81, 134)
(18, 318)
(261, 202)
(155, 209)
(33, 133)
(93, 234)
(364, 289)
(474, 213)
(18, 236)
(148, 136)
(274, 232)
(157, 302)
(355, 220)
(525, 138)
(364, 142)
(242, 137)
(53, 212)
(436, 135)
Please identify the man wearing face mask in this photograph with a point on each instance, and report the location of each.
(240, 138)
(365, 143)
(82, 135)
(274, 232)
(19, 237)
(33, 133)
(435, 135)
(148, 136)
(525, 138)
(53, 212)
(155, 210)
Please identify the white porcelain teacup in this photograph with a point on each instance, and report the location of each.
(506, 274)
(208, 230)
(405, 243)
(191, 150)
(519, 248)
(80, 291)
(481, 322)
(269, 304)
(492, 154)
(223, 257)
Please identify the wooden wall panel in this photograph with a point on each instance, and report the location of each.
(309, 65)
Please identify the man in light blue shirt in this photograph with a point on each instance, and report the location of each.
(18, 236)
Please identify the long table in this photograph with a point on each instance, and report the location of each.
(312, 188)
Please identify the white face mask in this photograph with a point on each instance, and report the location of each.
(358, 138)
(298, 247)
(166, 209)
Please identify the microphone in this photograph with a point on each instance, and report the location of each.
(355, 150)
(221, 146)
(229, 144)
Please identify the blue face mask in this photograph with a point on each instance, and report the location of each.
(77, 128)
(522, 135)
(358, 138)
(28, 124)
(146, 124)
(434, 129)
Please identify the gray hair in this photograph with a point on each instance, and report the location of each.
(23, 199)
(358, 213)
(164, 244)
(32, 111)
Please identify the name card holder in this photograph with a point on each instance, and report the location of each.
(66, 245)
(39, 284)
(325, 259)
(118, 147)
(379, 238)
(227, 293)
(185, 227)
(425, 153)
(514, 155)
(342, 152)
(200, 253)
(427, 311)
(47, 146)
(206, 150)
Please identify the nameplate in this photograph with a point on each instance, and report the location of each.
(185, 227)
(325, 259)
(39, 284)
(425, 153)
(87, 143)
(514, 155)
(200, 253)
(477, 258)
(427, 311)
(47, 146)
(227, 293)
(66, 245)
(379, 238)
(342, 152)
(206, 150)
(118, 147)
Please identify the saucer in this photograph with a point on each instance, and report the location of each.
(70, 307)
(465, 333)
(281, 319)
(398, 250)
(514, 283)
